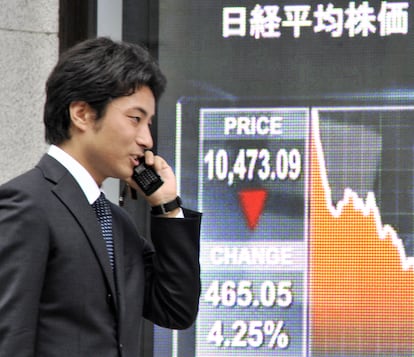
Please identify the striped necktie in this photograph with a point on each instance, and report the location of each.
(104, 215)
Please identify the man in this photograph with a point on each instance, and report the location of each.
(64, 290)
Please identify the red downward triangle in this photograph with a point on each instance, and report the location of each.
(252, 204)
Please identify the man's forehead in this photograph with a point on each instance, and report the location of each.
(142, 100)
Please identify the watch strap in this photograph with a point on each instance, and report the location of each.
(167, 207)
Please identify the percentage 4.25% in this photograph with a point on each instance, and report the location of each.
(255, 333)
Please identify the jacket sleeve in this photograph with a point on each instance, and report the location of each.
(173, 271)
(23, 257)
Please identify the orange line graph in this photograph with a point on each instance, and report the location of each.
(361, 282)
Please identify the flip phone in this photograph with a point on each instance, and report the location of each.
(146, 178)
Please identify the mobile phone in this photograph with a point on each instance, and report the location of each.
(146, 178)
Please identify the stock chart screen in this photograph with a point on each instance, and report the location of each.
(290, 126)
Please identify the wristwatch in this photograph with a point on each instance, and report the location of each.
(167, 207)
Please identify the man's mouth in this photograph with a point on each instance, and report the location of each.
(136, 160)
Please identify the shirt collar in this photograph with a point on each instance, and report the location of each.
(79, 173)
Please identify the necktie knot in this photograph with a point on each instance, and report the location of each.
(103, 213)
(102, 208)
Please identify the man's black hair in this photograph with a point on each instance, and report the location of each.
(96, 71)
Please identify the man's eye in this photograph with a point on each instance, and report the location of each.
(136, 119)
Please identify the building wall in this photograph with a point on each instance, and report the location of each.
(29, 49)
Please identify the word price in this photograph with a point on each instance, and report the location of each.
(250, 334)
(252, 163)
(230, 294)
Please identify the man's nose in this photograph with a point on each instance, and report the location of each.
(144, 138)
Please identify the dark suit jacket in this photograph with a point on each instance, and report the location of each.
(58, 294)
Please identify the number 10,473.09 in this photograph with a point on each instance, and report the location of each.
(251, 163)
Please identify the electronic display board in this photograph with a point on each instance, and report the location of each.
(291, 127)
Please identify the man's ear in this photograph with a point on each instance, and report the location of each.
(81, 115)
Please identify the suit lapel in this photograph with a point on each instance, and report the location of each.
(69, 192)
(119, 262)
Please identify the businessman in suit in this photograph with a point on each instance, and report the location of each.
(65, 290)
